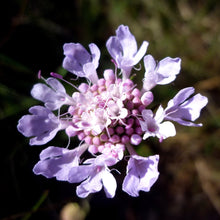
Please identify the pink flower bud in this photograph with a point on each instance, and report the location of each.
(88, 140)
(125, 139)
(96, 141)
(136, 101)
(101, 82)
(81, 135)
(119, 130)
(138, 131)
(115, 138)
(147, 98)
(94, 87)
(70, 131)
(129, 123)
(136, 139)
(83, 87)
(136, 92)
(93, 149)
(103, 137)
(129, 131)
(109, 75)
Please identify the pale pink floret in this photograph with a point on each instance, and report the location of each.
(184, 109)
(123, 49)
(79, 62)
(142, 173)
(53, 94)
(160, 74)
(153, 126)
(95, 174)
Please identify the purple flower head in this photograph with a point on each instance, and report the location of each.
(57, 162)
(95, 175)
(42, 124)
(123, 49)
(108, 115)
(162, 73)
(78, 61)
(142, 173)
(152, 125)
(184, 109)
(54, 95)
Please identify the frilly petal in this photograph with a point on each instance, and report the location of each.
(142, 173)
(109, 184)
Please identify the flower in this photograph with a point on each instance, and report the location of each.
(78, 61)
(183, 109)
(94, 175)
(163, 73)
(108, 115)
(123, 49)
(142, 173)
(57, 162)
(42, 124)
(54, 95)
(153, 126)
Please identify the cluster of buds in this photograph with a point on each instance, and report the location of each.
(109, 115)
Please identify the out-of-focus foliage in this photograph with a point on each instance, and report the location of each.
(32, 35)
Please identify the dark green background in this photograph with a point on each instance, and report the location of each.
(32, 35)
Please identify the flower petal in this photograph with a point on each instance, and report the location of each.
(109, 184)
(168, 68)
(127, 41)
(42, 124)
(142, 173)
(91, 185)
(76, 57)
(184, 111)
(54, 96)
(150, 78)
(180, 97)
(95, 52)
(142, 50)
(149, 64)
(56, 162)
(166, 129)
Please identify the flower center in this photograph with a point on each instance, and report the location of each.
(106, 116)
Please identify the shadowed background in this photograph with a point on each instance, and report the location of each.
(31, 39)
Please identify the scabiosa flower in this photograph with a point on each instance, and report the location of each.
(57, 161)
(53, 94)
(184, 109)
(94, 174)
(78, 61)
(109, 115)
(163, 73)
(153, 127)
(42, 124)
(142, 173)
(123, 49)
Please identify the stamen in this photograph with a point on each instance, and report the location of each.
(58, 76)
(113, 169)
(66, 113)
(68, 143)
(116, 67)
(58, 113)
(39, 74)
(138, 68)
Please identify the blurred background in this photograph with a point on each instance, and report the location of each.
(31, 39)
